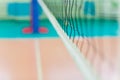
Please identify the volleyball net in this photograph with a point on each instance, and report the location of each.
(90, 31)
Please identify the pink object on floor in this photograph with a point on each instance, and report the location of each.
(29, 30)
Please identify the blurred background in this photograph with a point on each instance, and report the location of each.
(18, 51)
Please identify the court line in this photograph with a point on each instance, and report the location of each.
(38, 59)
(20, 38)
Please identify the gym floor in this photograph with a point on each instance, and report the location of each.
(22, 57)
(18, 54)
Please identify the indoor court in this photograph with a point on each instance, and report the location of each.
(39, 43)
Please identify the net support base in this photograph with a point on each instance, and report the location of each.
(29, 30)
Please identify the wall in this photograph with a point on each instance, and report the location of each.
(20, 9)
(15, 9)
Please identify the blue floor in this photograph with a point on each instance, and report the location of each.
(98, 28)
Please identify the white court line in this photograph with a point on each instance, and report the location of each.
(38, 60)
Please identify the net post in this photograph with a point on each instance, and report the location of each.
(34, 20)
(34, 15)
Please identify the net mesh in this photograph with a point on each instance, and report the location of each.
(93, 26)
